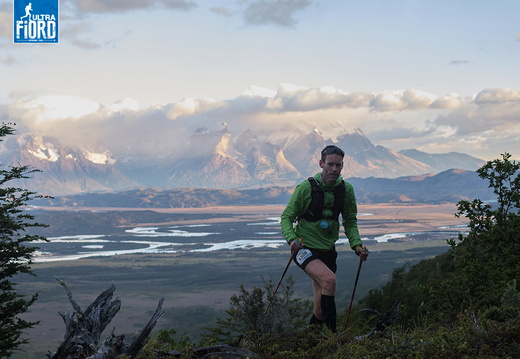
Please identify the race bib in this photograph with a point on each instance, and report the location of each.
(302, 256)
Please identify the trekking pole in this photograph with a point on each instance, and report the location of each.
(280, 282)
(353, 292)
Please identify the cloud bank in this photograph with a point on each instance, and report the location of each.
(119, 6)
(484, 125)
(273, 12)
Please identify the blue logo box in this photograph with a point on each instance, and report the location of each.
(35, 21)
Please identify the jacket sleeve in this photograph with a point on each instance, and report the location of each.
(297, 205)
(350, 217)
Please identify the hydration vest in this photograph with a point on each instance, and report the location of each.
(315, 211)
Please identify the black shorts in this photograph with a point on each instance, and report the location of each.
(306, 255)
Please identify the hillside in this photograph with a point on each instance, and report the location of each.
(444, 161)
(449, 186)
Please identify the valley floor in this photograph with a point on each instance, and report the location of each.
(197, 285)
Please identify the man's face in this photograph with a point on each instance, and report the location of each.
(331, 168)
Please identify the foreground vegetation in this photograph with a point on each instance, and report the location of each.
(462, 304)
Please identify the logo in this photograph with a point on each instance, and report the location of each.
(35, 21)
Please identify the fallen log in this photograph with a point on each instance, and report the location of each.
(83, 329)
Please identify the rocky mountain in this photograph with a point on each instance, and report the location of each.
(63, 169)
(213, 159)
(362, 157)
(216, 160)
(368, 160)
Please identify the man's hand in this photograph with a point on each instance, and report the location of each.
(362, 252)
(296, 245)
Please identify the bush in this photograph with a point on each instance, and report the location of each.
(247, 313)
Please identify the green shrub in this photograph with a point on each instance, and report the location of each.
(257, 310)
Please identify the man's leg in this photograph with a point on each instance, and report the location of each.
(317, 317)
(324, 288)
(316, 288)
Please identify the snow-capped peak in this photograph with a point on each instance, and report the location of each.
(99, 158)
(45, 154)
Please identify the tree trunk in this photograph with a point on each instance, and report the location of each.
(83, 329)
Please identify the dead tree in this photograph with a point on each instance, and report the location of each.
(383, 320)
(83, 329)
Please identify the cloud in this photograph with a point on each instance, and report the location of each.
(416, 99)
(120, 6)
(400, 134)
(402, 100)
(77, 122)
(49, 108)
(74, 30)
(460, 62)
(126, 104)
(85, 44)
(483, 130)
(496, 95)
(486, 123)
(6, 23)
(292, 98)
(493, 111)
(291, 106)
(222, 11)
(387, 101)
(273, 12)
(326, 97)
(191, 106)
(450, 101)
(8, 60)
(412, 99)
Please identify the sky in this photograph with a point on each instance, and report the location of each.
(435, 75)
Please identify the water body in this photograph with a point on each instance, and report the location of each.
(192, 238)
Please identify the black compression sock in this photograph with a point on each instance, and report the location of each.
(328, 308)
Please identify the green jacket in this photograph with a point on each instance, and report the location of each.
(311, 233)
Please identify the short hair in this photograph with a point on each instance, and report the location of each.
(331, 149)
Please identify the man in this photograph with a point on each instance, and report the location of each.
(315, 205)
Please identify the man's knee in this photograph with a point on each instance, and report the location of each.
(328, 283)
(322, 276)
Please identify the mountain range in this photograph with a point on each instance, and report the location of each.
(446, 187)
(214, 159)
